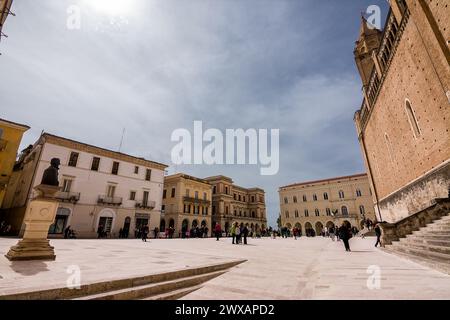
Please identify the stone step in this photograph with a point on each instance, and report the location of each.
(437, 227)
(415, 250)
(174, 295)
(153, 289)
(434, 242)
(423, 246)
(112, 285)
(435, 264)
(428, 236)
(436, 232)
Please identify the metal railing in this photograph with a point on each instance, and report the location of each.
(68, 196)
(116, 201)
(146, 205)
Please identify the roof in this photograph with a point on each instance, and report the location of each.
(186, 176)
(325, 180)
(4, 12)
(50, 138)
(15, 124)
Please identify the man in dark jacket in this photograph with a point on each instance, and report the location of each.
(378, 234)
(245, 234)
(344, 234)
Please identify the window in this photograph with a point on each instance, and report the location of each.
(235, 213)
(115, 168)
(67, 185)
(196, 194)
(315, 197)
(344, 211)
(304, 198)
(173, 193)
(286, 214)
(145, 198)
(226, 190)
(306, 213)
(325, 196)
(317, 212)
(163, 208)
(253, 214)
(341, 194)
(111, 191)
(412, 119)
(296, 213)
(196, 210)
(239, 197)
(285, 200)
(136, 170)
(73, 159)
(295, 199)
(132, 195)
(205, 196)
(214, 189)
(362, 210)
(358, 193)
(95, 164)
(243, 198)
(328, 212)
(226, 210)
(164, 193)
(148, 174)
(234, 196)
(187, 208)
(253, 198)
(205, 211)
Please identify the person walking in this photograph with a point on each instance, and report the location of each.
(345, 235)
(331, 232)
(377, 230)
(238, 233)
(144, 233)
(233, 232)
(245, 234)
(67, 232)
(217, 231)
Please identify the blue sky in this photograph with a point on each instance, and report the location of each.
(161, 65)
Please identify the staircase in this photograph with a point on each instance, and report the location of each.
(165, 286)
(429, 246)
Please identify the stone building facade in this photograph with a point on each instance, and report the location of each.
(98, 187)
(10, 138)
(403, 124)
(232, 203)
(329, 202)
(187, 203)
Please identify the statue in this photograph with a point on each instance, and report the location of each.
(50, 177)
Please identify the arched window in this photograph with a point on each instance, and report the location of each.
(358, 193)
(317, 212)
(287, 214)
(344, 211)
(328, 212)
(306, 213)
(325, 196)
(362, 211)
(296, 213)
(295, 199)
(315, 197)
(412, 119)
(341, 194)
(285, 200)
(304, 198)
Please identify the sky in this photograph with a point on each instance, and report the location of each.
(153, 66)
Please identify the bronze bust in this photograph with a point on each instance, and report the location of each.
(50, 177)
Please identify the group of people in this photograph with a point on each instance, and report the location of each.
(4, 228)
(69, 233)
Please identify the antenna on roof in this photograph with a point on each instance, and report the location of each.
(121, 139)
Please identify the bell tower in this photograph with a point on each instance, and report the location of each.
(369, 40)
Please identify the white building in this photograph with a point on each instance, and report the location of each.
(99, 187)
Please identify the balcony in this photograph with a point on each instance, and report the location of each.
(196, 200)
(146, 205)
(114, 201)
(73, 197)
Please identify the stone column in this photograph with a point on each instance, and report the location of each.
(40, 214)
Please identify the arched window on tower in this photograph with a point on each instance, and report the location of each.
(412, 119)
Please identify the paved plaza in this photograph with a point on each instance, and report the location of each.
(307, 268)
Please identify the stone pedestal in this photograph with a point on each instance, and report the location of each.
(40, 214)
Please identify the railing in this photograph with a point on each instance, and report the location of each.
(149, 205)
(115, 201)
(68, 196)
(195, 200)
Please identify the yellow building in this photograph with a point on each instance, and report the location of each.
(10, 137)
(186, 204)
(314, 205)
